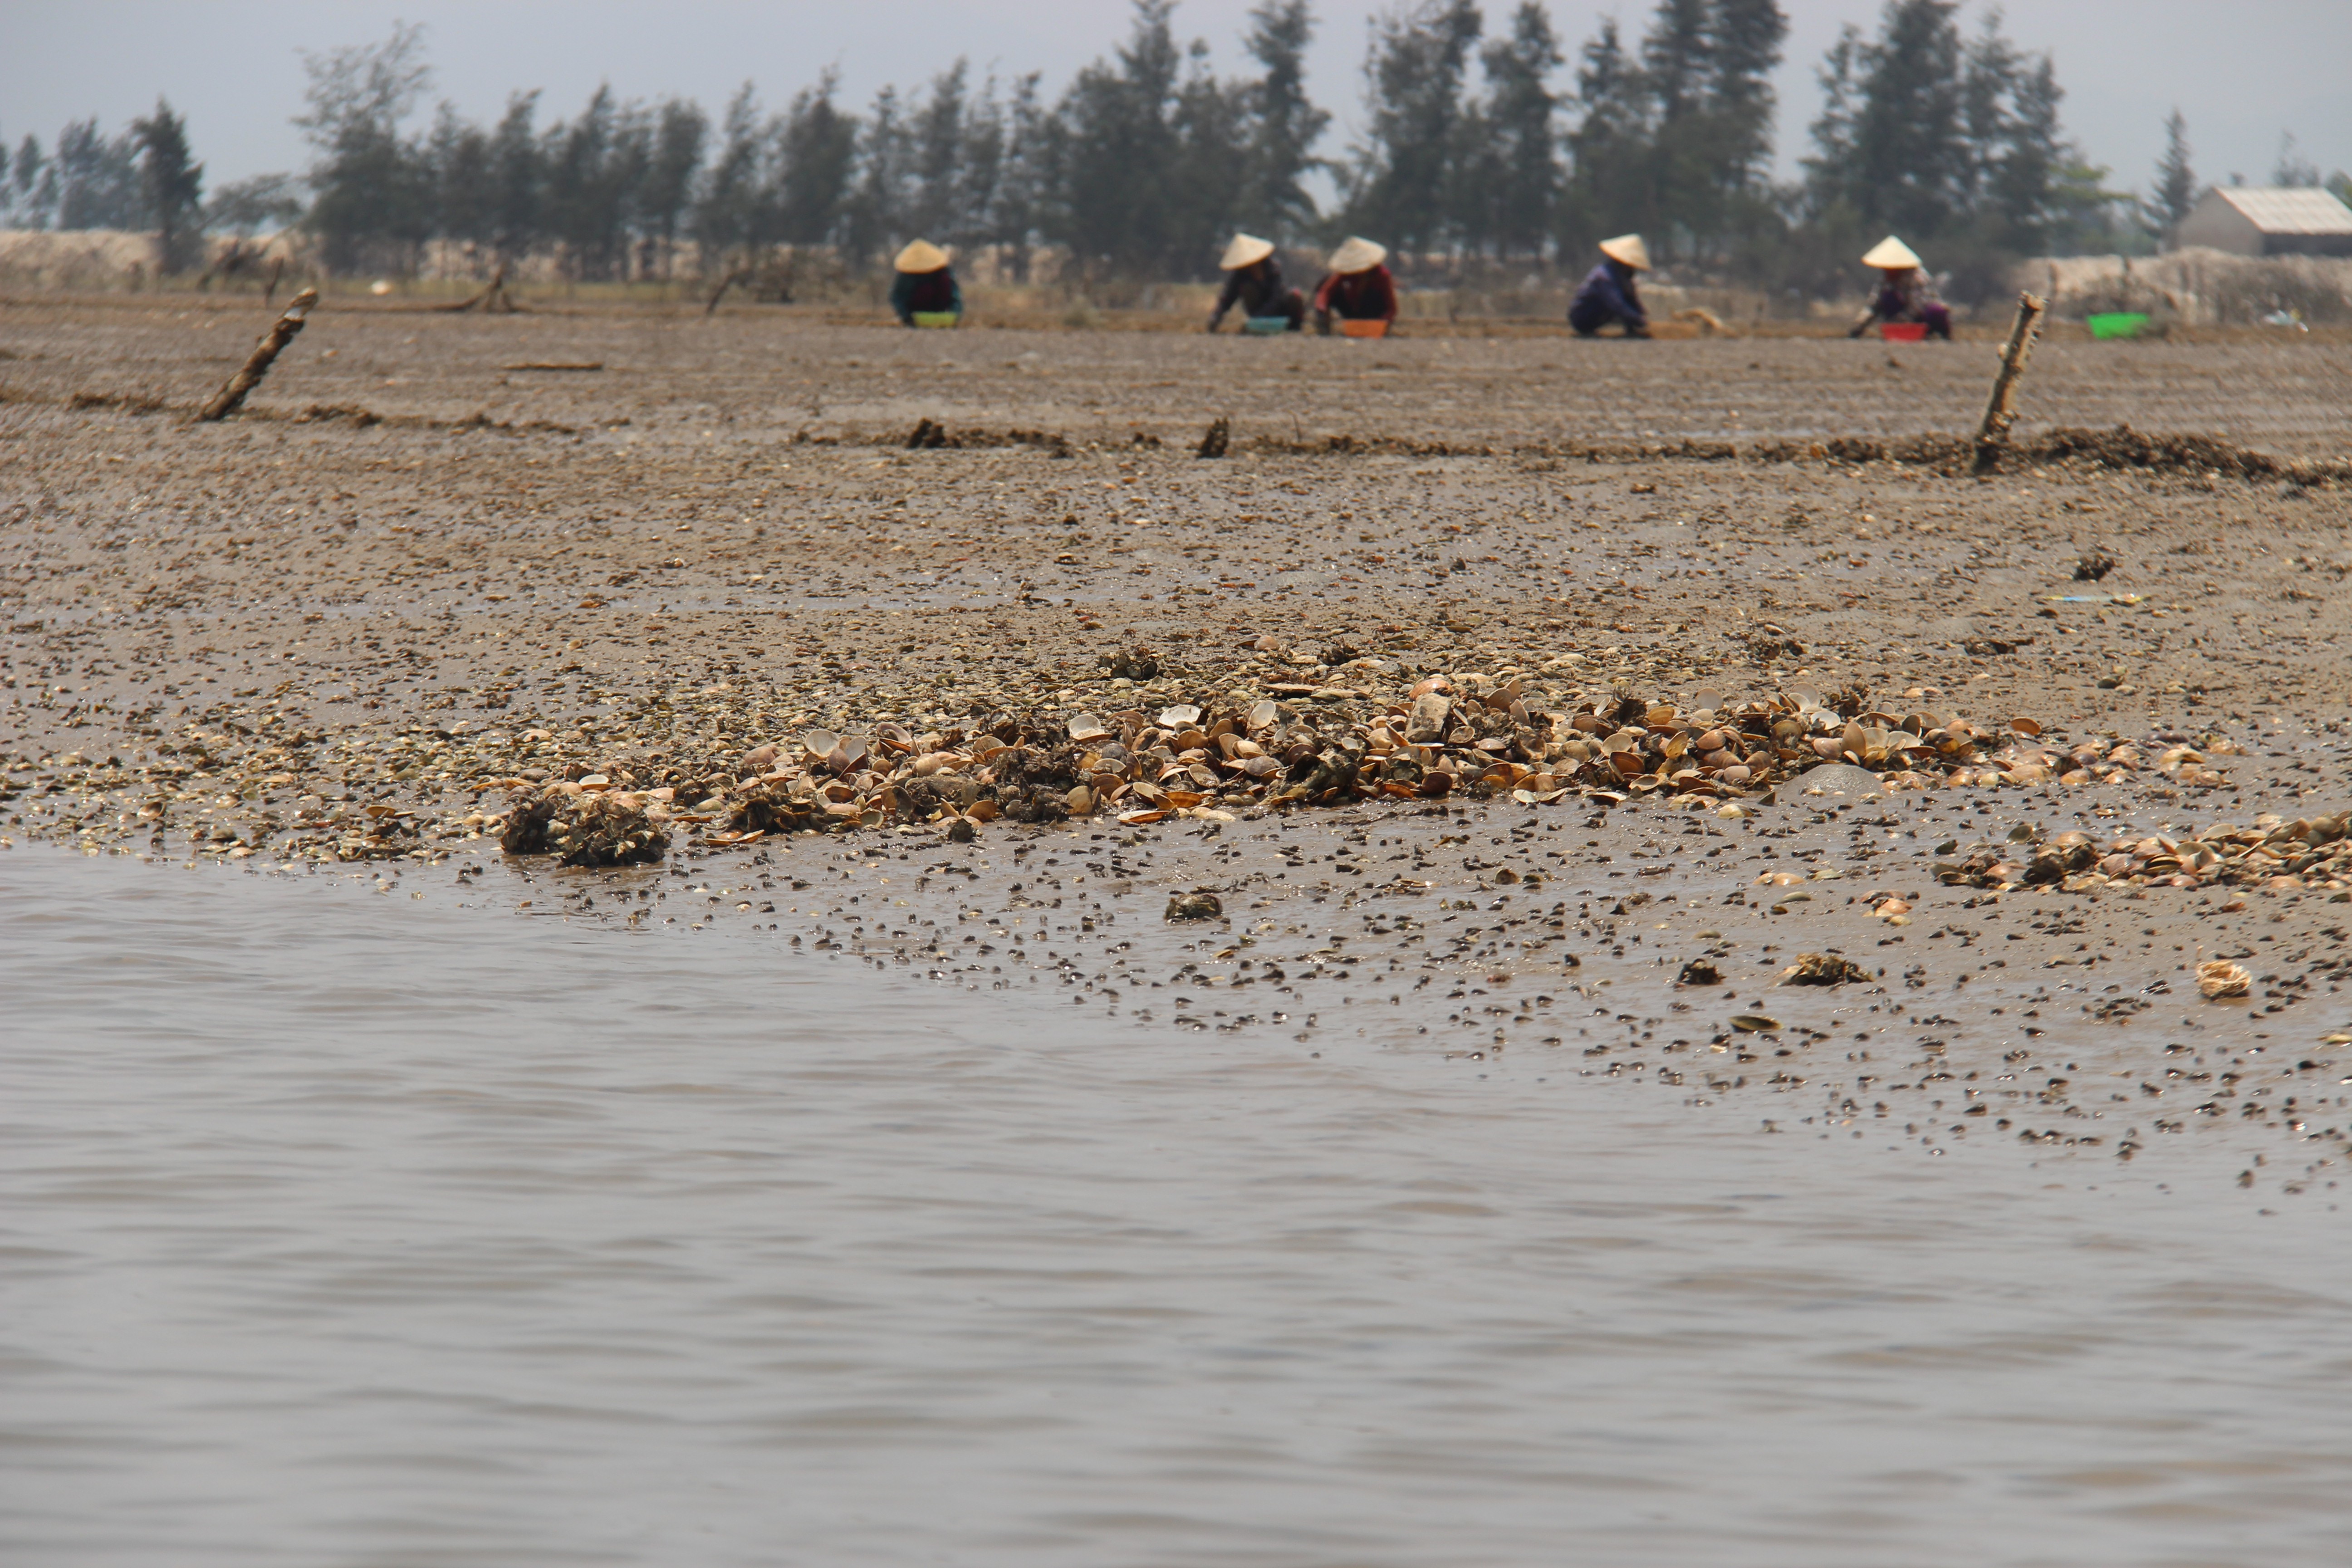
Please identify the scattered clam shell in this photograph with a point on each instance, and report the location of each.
(2219, 978)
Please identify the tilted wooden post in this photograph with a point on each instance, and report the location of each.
(493, 298)
(742, 275)
(1992, 436)
(283, 331)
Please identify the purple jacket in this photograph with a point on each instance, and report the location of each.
(1608, 295)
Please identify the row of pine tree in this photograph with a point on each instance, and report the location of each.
(1476, 147)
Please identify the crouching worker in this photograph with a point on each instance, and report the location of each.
(1357, 289)
(926, 285)
(1253, 281)
(1608, 295)
(1903, 292)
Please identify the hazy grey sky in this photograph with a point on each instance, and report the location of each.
(2242, 72)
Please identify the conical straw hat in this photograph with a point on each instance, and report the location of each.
(1358, 255)
(1890, 253)
(1629, 249)
(1246, 251)
(921, 256)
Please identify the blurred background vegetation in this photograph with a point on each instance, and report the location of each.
(1490, 160)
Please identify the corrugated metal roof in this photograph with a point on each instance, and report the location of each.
(2289, 209)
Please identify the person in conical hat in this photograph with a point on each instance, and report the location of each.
(1358, 287)
(1253, 281)
(1608, 296)
(926, 284)
(1904, 294)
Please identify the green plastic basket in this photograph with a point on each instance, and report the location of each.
(1265, 326)
(938, 319)
(2116, 325)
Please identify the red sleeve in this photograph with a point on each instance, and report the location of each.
(1386, 286)
(1323, 290)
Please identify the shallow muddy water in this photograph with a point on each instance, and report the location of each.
(369, 1228)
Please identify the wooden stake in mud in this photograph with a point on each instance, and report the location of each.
(1992, 436)
(283, 331)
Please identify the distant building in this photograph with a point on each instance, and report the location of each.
(2268, 220)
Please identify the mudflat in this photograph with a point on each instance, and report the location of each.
(447, 563)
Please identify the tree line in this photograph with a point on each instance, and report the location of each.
(1476, 147)
(144, 178)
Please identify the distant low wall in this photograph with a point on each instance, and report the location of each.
(75, 259)
(2196, 287)
(101, 258)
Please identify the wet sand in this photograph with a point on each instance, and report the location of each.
(254, 640)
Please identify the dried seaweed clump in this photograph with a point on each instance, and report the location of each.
(583, 825)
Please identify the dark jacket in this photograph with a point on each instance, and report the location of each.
(1367, 296)
(1607, 295)
(1907, 297)
(1256, 289)
(926, 292)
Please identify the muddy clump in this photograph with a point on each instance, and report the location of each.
(1823, 969)
(930, 435)
(1137, 663)
(379, 832)
(2125, 448)
(583, 828)
(2121, 447)
(766, 808)
(1035, 785)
